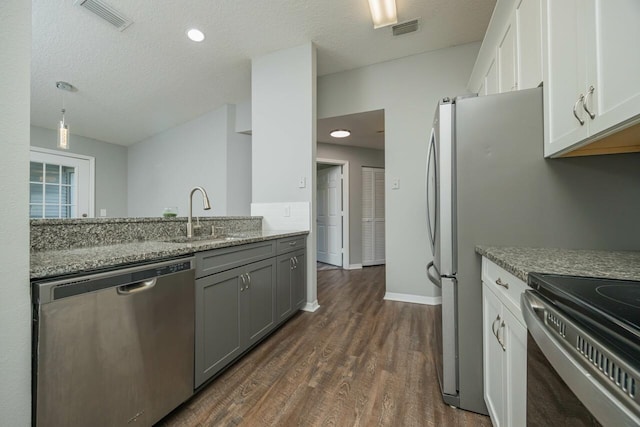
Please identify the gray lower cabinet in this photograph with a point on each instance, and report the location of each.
(242, 293)
(234, 310)
(291, 286)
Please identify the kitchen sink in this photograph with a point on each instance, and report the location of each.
(200, 239)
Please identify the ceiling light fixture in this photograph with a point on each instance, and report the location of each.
(340, 133)
(195, 35)
(63, 129)
(383, 12)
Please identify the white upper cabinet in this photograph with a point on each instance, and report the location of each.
(591, 69)
(529, 25)
(507, 63)
(491, 79)
(613, 37)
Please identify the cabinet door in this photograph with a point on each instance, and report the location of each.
(514, 336)
(612, 33)
(284, 303)
(529, 25)
(258, 299)
(218, 335)
(564, 74)
(299, 281)
(493, 356)
(507, 59)
(491, 79)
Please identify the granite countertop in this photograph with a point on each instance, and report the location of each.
(592, 263)
(79, 260)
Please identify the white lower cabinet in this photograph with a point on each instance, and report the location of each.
(504, 349)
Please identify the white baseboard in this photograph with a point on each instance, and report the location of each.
(353, 267)
(415, 299)
(311, 306)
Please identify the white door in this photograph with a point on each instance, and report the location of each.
(61, 185)
(330, 215)
(373, 217)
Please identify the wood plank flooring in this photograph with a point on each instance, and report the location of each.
(356, 361)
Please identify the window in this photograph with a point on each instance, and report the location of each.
(60, 184)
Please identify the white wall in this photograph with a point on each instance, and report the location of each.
(357, 158)
(164, 168)
(111, 167)
(238, 168)
(408, 90)
(15, 313)
(283, 116)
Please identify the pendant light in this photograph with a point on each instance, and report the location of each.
(63, 134)
(63, 129)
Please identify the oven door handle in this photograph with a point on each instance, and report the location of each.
(603, 404)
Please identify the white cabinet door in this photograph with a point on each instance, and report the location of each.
(514, 336)
(493, 357)
(612, 32)
(529, 25)
(507, 59)
(491, 79)
(564, 74)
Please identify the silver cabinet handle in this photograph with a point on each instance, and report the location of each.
(293, 243)
(499, 282)
(291, 263)
(244, 282)
(493, 326)
(586, 102)
(295, 262)
(249, 280)
(500, 341)
(575, 106)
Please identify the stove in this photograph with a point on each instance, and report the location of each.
(608, 308)
(588, 330)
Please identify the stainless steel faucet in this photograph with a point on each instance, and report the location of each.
(206, 205)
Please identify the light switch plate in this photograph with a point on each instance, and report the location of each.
(395, 184)
(287, 211)
(302, 182)
(103, 213)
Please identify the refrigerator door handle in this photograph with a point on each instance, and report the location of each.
(435, 280)
(432, 152)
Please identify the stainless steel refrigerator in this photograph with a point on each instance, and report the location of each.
(489, 184)
(476, 143)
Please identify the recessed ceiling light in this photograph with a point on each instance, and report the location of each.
(383, 12)
(340, 133)
(195, 35)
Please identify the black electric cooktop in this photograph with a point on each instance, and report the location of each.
(609, 306)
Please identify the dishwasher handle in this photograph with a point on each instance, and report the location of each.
(134, 288)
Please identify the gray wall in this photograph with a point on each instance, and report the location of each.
(357, 158)
(15, 313)
(408, 90)
(111, 167)
(164, 168)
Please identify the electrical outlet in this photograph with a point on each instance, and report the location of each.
(395, 184)
(103, 213)
(287, 210)
(302, 182)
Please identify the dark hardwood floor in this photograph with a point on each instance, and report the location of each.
(356, 361)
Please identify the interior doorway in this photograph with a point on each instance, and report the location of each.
(332, 204)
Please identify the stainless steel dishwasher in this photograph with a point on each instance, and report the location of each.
(114, 348)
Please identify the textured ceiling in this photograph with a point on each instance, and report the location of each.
(150, 77)
(367, 129)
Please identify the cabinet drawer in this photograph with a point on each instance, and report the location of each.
(506, 286)
(218, 260)
(291, 244)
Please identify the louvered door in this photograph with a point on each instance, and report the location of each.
(373, 216)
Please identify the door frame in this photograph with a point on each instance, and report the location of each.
(345, 206)
(92, 172)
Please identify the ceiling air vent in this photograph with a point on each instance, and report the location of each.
(106, 12)
(405, 27)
